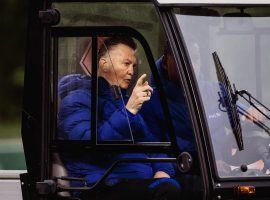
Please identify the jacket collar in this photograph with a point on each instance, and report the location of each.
(108, 91)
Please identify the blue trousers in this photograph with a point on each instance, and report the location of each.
(139, 189)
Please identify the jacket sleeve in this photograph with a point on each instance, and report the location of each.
(74, 117)
(164, 167)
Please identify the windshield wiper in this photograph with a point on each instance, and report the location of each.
(247, 96)
(229, 99)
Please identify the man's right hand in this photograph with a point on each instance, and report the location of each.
(140, 94)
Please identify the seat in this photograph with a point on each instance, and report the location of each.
(59, 170)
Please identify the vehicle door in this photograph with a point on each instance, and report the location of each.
(64, 40)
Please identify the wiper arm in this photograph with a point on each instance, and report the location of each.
(229, 99)
(258, 122)
(247, 96)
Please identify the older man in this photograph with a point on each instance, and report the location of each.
(118, 119)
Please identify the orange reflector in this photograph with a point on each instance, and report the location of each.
(245, 190)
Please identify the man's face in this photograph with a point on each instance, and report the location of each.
(122, 60)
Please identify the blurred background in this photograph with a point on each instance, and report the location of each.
(13, 20)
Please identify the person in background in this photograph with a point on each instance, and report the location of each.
(180, 114)
(152, 110)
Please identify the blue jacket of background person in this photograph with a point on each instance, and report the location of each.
(154, 117)
(153, 114)
(74, 123)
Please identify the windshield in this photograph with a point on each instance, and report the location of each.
(229, 50)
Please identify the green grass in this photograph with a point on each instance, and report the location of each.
(11, 150)
(10, 130)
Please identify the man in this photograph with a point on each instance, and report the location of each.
(118, 119)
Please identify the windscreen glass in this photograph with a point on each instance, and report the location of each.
(229, 51)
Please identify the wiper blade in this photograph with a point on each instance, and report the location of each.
(229, 99)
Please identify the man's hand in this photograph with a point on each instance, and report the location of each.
(259, 165)
(161, 174)
(140, 94)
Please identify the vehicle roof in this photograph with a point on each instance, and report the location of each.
(212, 2)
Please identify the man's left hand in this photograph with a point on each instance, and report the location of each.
(161, 174)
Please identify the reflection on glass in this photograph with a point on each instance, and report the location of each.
(124, 79)
(239, 38)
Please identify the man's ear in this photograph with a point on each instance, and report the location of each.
(104, 65)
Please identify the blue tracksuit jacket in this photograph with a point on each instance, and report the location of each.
(154, 117)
